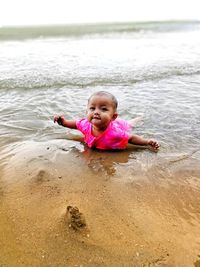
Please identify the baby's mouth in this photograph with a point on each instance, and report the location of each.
(96, 118)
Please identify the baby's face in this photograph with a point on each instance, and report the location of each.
(100, 111)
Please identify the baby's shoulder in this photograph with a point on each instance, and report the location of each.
(83, 124)
(121, 125)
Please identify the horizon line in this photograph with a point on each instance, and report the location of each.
(99, 23)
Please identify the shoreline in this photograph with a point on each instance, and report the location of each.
(140, 210)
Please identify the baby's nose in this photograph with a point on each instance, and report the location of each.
(96, 111)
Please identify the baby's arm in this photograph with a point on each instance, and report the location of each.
(138, 140)
(65, 123)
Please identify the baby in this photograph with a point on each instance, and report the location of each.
(102, 129)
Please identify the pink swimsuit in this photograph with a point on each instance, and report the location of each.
(114, 137)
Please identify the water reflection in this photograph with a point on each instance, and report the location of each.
(105, 162)
(108, 162)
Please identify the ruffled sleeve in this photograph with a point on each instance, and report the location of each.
(83, 126)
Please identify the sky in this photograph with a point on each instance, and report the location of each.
(42, 12)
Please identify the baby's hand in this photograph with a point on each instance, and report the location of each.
(153, 145)
(59, 119)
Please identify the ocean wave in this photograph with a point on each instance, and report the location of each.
(82, 82)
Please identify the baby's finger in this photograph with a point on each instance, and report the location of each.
(55, 119)
(156, 146)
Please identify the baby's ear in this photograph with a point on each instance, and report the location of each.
(115, 115)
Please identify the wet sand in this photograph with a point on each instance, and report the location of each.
(141, 210)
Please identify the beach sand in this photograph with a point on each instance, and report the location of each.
(139, 211)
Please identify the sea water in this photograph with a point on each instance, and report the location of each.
(152, 68)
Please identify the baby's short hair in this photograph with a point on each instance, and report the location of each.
(104, 93)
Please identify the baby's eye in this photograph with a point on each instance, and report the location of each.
(92, 108)
(104, 109)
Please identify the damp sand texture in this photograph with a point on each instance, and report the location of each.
(147, 215)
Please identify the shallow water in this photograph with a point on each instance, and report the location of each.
(153, 72)
(148, 201)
